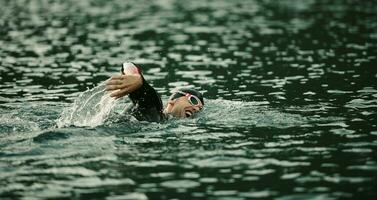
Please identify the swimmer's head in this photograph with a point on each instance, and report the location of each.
(184, 103)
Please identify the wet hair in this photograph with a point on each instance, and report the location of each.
(190, 91)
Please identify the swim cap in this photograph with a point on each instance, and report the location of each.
(129, 68)
(190, 91)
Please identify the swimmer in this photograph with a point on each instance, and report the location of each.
(147, 104)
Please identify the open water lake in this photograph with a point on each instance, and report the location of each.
(290, 90)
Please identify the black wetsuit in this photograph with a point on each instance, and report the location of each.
(147, 104)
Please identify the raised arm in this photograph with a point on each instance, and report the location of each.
(147, 102)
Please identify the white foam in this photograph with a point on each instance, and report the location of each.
(91, 108)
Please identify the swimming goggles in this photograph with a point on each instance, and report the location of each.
(192, 99)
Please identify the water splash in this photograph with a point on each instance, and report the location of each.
(91, 108)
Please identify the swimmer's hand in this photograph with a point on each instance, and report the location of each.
(123, 84)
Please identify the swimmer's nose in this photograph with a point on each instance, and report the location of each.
(197, 109)
(193, 109)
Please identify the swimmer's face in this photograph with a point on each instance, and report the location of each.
(182, 108)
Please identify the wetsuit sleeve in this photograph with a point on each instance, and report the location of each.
(147, 103)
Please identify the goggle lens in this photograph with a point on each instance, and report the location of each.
(194, 101)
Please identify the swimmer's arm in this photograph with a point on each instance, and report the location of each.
(146, 96)
(147, 102)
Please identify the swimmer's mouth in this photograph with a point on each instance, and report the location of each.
(188, 113)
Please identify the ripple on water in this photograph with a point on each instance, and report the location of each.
(129, 196)
(95, 182)
(258, 194)
(305, 196)
(180, 184)
(362, 103)
(369, 167)
(224, 162)
(305, 130)
(51, 135)
(14, 124)
(248, 114)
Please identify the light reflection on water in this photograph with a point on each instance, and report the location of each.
(290, 91)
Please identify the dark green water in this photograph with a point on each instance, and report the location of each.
(290, 89)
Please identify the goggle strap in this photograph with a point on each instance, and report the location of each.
(188, 95)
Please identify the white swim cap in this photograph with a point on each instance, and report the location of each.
(129, 68)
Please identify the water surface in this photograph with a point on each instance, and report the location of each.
(290, 91)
